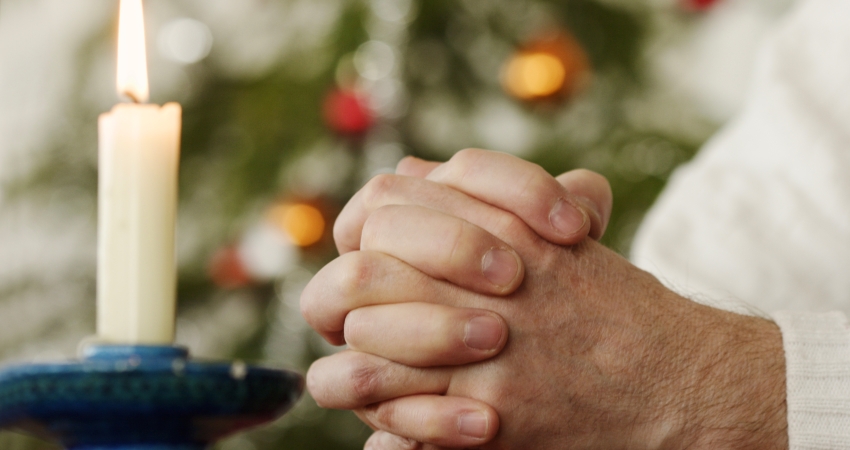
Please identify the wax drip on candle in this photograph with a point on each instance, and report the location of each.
(132, 79)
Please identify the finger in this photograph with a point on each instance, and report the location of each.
(519, 187)
(352, 380)
(426, 335)
(412, 166)
(393, 442)
(366, 278)
(386, 189)
(591, 190)
(381, 440)
(444, 247)
(455, 422)
(594, 192)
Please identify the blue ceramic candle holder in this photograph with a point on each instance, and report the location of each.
(142, 398)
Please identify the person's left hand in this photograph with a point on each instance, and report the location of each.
(600, 356)
(565, 210)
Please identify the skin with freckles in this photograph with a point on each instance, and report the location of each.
(587, 352)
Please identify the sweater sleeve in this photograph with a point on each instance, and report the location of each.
(817, 355)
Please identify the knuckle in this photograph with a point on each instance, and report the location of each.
(536, 183)
(467, 155)
(356, 274)
(315, 386)
(307, 304)
(465, 159)
(375, 223)
(341, 234)
(377, 188)
(365, 380)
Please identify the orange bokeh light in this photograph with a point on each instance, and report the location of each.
(534, 75)
(550, 67)
(303, 225)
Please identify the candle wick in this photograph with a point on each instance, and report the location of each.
(131, 96)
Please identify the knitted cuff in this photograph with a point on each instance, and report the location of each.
(817, 358)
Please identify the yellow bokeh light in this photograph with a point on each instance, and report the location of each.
(303, 225)
(534, 75)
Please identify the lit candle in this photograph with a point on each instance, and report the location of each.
(137, 201)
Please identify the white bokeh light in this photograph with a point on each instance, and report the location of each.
(393, 10)
(266, 253)
(185, 41)
(374, 60)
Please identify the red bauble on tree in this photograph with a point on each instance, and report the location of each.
(227, 269)
(347, 112)
(698, 5)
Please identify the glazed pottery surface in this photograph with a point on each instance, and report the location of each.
(142, 398)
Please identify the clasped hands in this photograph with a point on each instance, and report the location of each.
(479, 312)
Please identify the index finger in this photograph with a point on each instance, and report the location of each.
(563, 211)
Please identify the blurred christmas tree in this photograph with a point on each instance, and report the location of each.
(289, 107)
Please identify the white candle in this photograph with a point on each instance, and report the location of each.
(137, 202)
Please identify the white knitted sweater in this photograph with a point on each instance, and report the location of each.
(762, 215)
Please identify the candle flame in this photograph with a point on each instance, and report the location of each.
(132, 79)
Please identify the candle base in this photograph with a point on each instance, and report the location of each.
(142, 398)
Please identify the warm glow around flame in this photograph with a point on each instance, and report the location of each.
(132, 79)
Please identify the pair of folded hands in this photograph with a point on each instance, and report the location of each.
(479, 312)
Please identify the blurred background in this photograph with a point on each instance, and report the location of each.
(291, 105)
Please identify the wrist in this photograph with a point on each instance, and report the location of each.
(737, 384)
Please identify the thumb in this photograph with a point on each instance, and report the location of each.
(594, 192)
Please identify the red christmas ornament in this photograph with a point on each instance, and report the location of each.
(346, 112)
(227, 269)
(698, 5)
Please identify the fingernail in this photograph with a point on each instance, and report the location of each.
(499, 266)
(483, 333)
(566, 218)
(473, 424)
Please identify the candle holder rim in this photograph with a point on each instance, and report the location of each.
(106, 351)
(201, 400)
